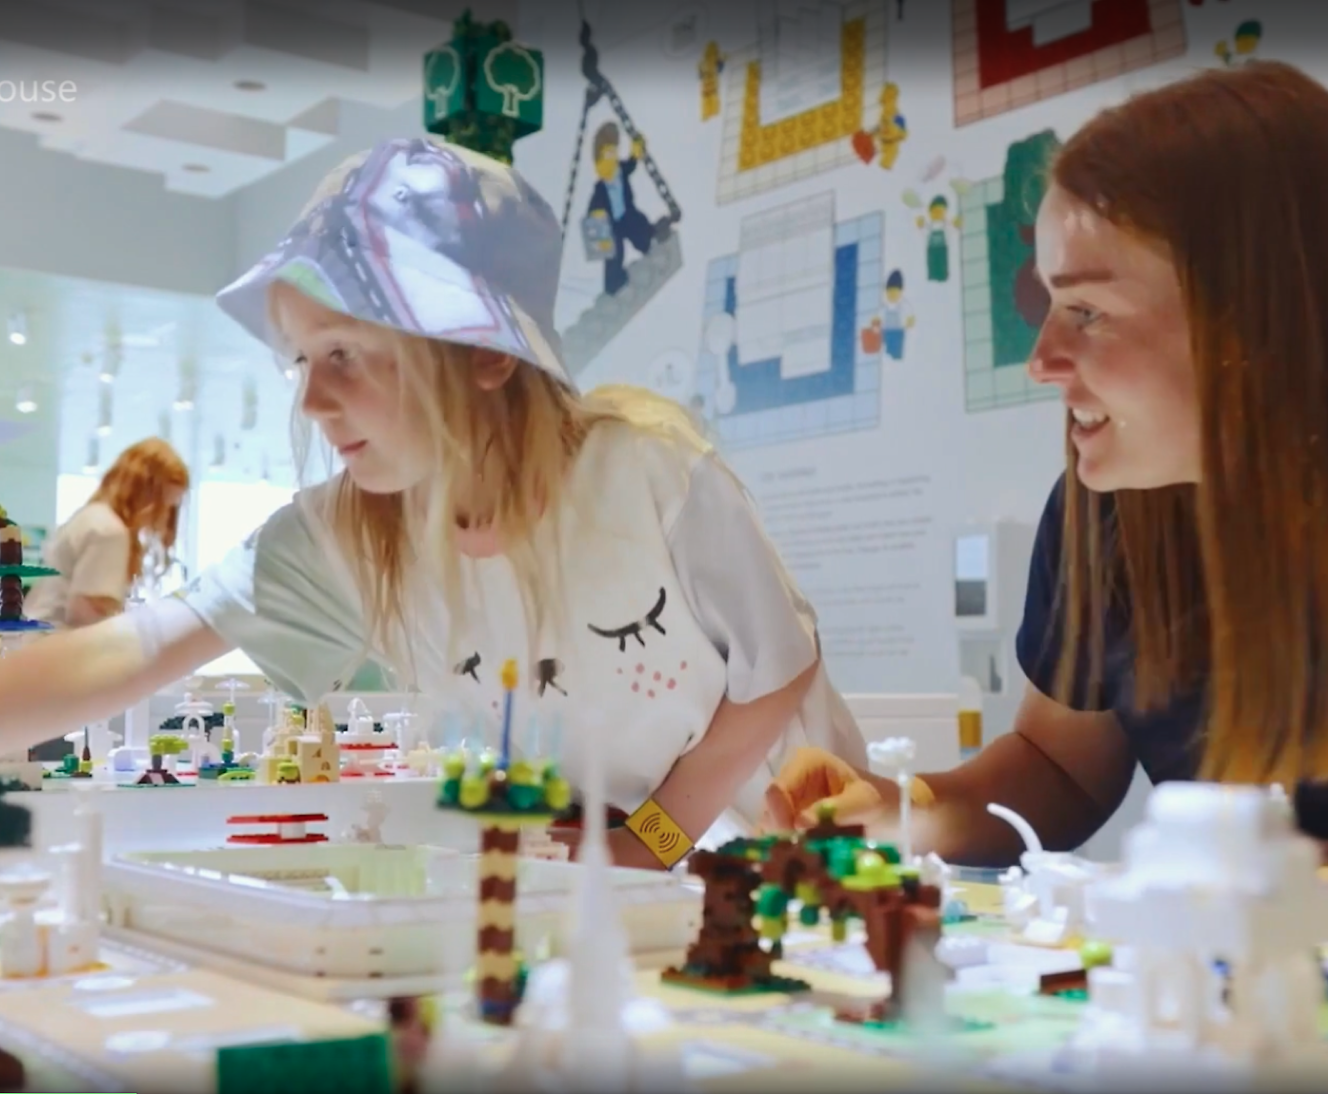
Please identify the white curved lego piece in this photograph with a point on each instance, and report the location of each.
(1032, 843)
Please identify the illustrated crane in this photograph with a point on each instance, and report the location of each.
(609, 314)
(598, 87)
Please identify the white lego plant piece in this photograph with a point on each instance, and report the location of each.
(1044, 897)
(41, 941)
(1213, 874)
(193, 728)
(892, 758)
(22, 952)
(579, 1023)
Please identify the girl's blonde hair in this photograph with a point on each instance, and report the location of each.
(502, 456)
(135, 488)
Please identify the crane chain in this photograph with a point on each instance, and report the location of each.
(648, 161)
(591, 95)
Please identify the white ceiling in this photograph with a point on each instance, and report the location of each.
(212, 95)
(73, 329)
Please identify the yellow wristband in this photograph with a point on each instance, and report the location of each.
(920, 794)
(660, 833)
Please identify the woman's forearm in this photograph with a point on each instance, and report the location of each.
(1013, 772)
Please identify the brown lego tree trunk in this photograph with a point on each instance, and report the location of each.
(727, 953)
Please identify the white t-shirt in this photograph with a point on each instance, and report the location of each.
(674, 598)
(91, 551)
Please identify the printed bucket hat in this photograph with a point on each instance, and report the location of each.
(430, 239)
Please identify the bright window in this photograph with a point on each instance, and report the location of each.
(229, 511)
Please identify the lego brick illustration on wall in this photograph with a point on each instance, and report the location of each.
(1004, 303)
(1010, 53)
(781, 355)
(809, 96)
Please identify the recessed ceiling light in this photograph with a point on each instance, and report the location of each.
(46, 116)
(197, 168)
(249, 85)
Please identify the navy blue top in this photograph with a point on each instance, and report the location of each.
(1165, 741)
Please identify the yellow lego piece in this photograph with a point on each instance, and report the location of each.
(760, 144)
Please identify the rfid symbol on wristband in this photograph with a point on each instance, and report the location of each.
(658, 831)
(654, 831)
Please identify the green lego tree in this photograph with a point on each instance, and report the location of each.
(482, 90)
(161, 745)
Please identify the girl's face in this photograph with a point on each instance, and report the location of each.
(351, 387)
(1116, 342)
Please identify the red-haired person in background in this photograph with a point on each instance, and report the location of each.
(100, 550)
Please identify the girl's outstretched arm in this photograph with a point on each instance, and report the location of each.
(58, 683)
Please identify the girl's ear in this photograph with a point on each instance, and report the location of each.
(492, 369)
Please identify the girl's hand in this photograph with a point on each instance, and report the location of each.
(813, 780)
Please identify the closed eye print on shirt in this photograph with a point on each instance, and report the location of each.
(546, 673)
(634, 630)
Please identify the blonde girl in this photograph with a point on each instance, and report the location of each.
(485, 511)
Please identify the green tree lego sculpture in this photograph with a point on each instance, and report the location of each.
(482, 90)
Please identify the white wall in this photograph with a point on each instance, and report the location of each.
(864, 516)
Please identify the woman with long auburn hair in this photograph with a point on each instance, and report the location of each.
(1178, 591)
(100, 551)
(487, 512)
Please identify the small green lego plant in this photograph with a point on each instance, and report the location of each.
(1095, 953)
(161, 745)
(480, 785)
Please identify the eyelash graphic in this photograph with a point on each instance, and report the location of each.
(546, 672)
(634, 630)
(469, 667)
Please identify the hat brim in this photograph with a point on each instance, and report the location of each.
(399, 283)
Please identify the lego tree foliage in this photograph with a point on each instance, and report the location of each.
(161, 745)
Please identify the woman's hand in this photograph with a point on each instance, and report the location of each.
(813, 780)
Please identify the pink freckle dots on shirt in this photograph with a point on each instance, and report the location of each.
(657, 679)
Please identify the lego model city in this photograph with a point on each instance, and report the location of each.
(348, 905)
